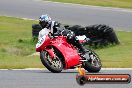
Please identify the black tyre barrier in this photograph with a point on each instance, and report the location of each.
(104, 32)
(78, 30)
(112, 38)
(99, 34)
(35, 30)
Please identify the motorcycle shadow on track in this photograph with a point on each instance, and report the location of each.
(65, 72)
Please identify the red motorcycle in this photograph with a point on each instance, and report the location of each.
(57, 54)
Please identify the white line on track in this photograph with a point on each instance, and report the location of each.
(94, 7)
(37, 20)
(19, 17)
(116, 69)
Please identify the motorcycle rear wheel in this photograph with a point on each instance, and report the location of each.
(93, 64)
(54, 65)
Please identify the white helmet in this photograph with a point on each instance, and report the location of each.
(44, 20)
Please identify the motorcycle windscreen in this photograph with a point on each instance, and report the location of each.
(42, 42)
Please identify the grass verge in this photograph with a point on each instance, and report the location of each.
(118, 56)
(106, 3)
(16, 45)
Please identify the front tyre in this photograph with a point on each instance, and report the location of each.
(93, 64)
(54, 65)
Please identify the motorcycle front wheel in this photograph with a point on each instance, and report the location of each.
(93, 64)
(54, 65)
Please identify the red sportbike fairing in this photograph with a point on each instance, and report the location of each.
(57, 54)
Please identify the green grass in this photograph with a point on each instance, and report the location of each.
(16, 45)
(118, 55)
(106, 3)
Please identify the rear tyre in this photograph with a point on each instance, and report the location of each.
(93, 64)
(54, 65)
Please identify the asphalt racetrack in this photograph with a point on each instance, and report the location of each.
(46, 79)
(120, 19)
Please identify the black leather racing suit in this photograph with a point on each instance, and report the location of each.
(71, 38)
(56, 30)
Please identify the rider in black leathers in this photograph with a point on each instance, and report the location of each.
(55, 30)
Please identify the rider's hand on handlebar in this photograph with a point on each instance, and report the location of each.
(50, 35)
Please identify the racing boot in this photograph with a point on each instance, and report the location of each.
(81, 49)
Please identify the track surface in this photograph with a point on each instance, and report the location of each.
(65, 13)
(46, 79)
(68, 13)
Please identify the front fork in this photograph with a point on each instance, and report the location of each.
(51, 52)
